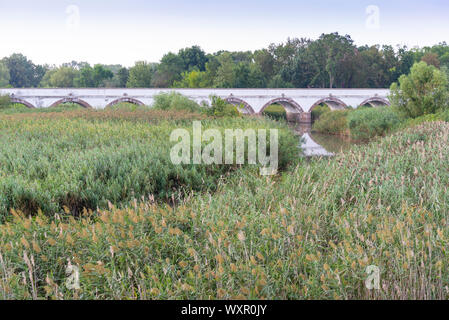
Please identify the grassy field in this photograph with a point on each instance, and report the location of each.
(308, 233)
(84, 159)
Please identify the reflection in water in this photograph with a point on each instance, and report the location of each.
(318, 144)
(312, 149)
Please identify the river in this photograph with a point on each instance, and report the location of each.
(318, 144)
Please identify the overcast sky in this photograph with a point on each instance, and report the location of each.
(110, 31)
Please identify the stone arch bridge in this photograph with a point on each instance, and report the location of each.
(298, 103)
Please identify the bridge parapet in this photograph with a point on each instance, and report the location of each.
(295, 101)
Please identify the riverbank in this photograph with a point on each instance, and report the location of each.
(364, 124)
(310, 234)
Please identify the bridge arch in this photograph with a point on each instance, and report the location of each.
(290, 105)
(82, 103)
(127, 100)
(247, 109)
(23, 102)
(332, 102)
(375, 102)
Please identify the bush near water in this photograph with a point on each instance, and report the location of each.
(420, 96)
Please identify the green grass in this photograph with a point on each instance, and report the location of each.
(175, 101)
(308, 234)
(367, 123)
(275, 112)
(5, 101)
(127, 107)
(84, 159)
(334, 122)
(320, 110)
(20, 108)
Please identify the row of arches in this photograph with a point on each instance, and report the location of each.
(292, 106)
(289, 104)
(78, 101)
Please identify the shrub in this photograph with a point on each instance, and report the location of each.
(221, 108)
(127, 107)
(422, 119)
(334, 122)
(444, 115)
(20, 108)
(276, 112)
(15, 108)
(319, 110)
(175, 101)
(423, 91)
(5, 101)
(367, 123)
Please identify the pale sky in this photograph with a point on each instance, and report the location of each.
(122, 32)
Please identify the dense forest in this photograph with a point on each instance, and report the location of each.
(331, 61)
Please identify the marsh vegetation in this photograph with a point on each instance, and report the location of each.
(95, 189)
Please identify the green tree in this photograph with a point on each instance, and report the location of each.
(4, 75)
(168, 71)
(100, 75)
(62, 77)
(212, 66)
(283, 54)
(329, 51)
(300, 71)
(256, 78)
(431, 59)
(193, 79)
(406, 60)
(278, 82)
(21, 71)
(248, 75)
(45, 82)
(221, 108)
(123, 75)
(374, 67)
(423, 91)
(76, 65)
(140, 76)
(93, 77)
(85, 78)
(265, 61)
(442, 51)
(225, 77)
(193, 58)
(241, 75)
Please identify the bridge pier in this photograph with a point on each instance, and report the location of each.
(305, 117)
(302, 117)
(291, 117)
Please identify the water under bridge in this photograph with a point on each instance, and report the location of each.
(298, 103)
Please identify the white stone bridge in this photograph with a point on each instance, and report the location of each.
(298, 103)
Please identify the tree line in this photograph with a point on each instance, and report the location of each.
(331, 61)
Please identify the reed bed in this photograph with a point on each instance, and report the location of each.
(308, 234)
(83, 159)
